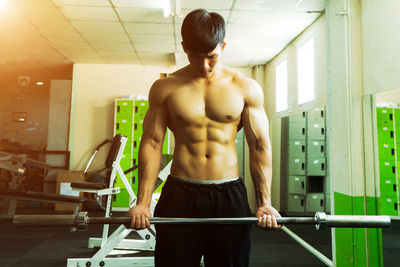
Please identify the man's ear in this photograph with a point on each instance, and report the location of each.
(223, 46)
(183, 46)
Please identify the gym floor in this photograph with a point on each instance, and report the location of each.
(44, 247)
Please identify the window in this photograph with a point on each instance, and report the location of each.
(281, 86)
(305, 72)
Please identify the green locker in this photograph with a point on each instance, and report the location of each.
(123, 126)
(315, 202)
(297, 131)
(388, 186)
(297, 165)
(387, 169)
(124, 108)
(296, 203)
(389, 206)
(297, 185)
(316, 149)
(316, 131)
(140, 108)
(385, 116)
(296, 147)
(386, 134)
(387, 151)
(121, 200)
(316, 115)
(316, 166)
(396, 112)
(298, 118)
(138, 126)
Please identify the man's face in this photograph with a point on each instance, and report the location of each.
(204, 63)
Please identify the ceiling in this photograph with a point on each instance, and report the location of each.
(50, 34)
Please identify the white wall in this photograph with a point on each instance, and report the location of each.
(381, 42)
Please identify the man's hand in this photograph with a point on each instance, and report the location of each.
(139, 217)
(267, 217)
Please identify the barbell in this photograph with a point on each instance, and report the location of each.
(320, 220)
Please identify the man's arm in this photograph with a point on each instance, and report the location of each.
(154, 127)
(255, 124)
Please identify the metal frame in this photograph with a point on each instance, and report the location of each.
(110, 245)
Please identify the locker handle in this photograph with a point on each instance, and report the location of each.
(304, 114)
(391, 117)
(321, 203)
(136, 109)
(322, 113)
(134, 144)
(117, 126)
(391, 134)
(134, 162)
(322, 149)
(302, 203)
(392, 151)
(394, 188)
(133, 180)
(394, 169)
(322, 131)
(302, 166)
(302, 185)
(323, 166)
(135, 126)
(395, 206)
(118, 109)
(303, 148)
(303, 131)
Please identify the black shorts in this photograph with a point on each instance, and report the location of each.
(184, 245)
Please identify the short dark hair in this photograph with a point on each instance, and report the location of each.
(202, 31)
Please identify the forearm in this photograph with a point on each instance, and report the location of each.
(261, 173)
(149, 167)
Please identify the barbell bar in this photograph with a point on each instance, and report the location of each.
(320, 220)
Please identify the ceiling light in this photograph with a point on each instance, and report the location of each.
(172, 8)
(2, 3)
(40, 83)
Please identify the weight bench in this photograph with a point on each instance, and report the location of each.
(117, 243)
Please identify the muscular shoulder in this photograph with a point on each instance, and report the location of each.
(160, 90)
(252, 92)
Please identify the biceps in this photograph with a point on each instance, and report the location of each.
(154, 125)
(255, 123)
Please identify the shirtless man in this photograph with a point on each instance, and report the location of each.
(204, 104)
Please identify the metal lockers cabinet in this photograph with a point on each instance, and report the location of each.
(316, 166)
(315, 202)
(297, 165)
(385, 116)
(296, 203)
(389, 188)
(316, 115)
(298, 118)
(390, 206)
(315, 131)
(296, 148)
(297, 185)
(315, 149)
(297, 131)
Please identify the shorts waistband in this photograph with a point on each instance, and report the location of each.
(205, 182)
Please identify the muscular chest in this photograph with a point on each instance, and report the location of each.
(199, 105)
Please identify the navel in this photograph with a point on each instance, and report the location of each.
(208, 156)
